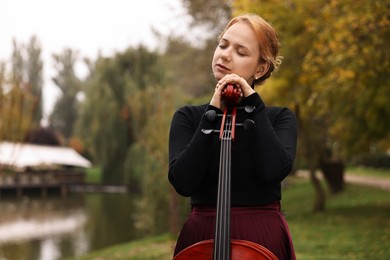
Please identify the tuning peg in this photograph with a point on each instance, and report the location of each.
(209, 131)
(248, 124)
(211, 115)
(249, 109)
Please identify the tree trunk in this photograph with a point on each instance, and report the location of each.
(319, 196)
(174, 212)
(333, 172)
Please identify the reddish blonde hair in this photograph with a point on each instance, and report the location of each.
(267, 38)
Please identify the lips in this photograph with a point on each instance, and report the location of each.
(222, 67)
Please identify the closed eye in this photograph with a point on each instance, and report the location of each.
(242, 52)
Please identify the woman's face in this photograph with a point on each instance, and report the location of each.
(237, 52)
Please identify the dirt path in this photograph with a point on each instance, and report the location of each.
(382, 183)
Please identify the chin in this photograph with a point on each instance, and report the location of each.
(218, 75)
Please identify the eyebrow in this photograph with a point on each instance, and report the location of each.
(240, 46)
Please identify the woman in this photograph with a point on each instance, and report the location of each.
(246, 55)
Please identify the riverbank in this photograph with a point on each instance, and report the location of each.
(354, 226)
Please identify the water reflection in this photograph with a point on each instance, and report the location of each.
(49, 249)
(22, 229)
(56, 228)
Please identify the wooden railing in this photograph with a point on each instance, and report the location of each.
(21, 182)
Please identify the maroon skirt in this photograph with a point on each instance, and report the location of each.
(263, 225)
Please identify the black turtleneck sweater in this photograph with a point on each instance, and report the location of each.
(260, 158)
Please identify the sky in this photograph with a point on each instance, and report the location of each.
(88, 26)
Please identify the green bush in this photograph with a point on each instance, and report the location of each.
(376, 160)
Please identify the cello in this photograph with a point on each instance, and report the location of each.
(222, 247)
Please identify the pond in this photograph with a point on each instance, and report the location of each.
(56, 228)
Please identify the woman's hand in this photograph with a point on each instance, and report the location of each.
(243, 87)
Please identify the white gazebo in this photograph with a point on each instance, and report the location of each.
(22, 155)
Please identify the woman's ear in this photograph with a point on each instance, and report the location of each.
(262, 69)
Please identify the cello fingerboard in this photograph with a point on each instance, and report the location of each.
(222, 227)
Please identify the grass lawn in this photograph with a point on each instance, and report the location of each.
(93, 175)
(154, 248)
(355, 225)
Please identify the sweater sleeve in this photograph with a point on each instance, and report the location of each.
(274, 144)
(189, 150)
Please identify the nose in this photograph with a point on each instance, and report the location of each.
(226, 54)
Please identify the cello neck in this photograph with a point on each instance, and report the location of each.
(222, 227)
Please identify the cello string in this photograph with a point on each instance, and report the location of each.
(227, 185)
(224, 193)
(218, 240)
(226, 238)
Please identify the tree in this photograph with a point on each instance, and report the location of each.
(34, 67)
(27, 67)
(187, 60)
(106, 121)
(354, 66)
(148, 159)
(210, 14)
(332, 55)
(19, 91)
(2, 99)
(15, 113)
(189, 67)
(43, 136)
(65, 112)
(17, 62)
(190, 55)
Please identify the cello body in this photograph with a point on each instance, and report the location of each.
(240, 250)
